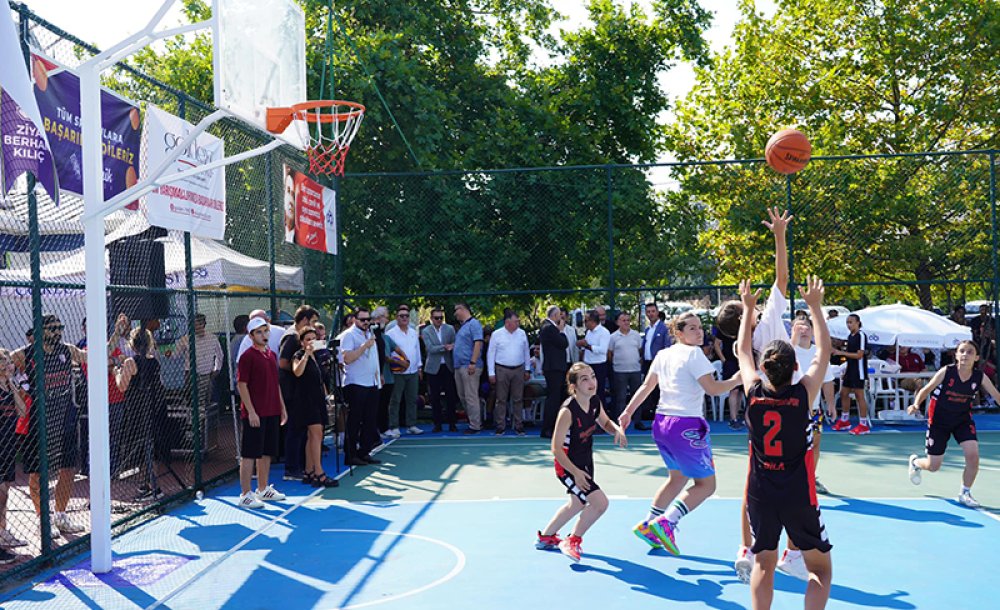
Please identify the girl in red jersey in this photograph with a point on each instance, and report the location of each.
(953, 389)
(781, 489)
(573, 448)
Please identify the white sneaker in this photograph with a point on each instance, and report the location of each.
(791, 563)
(392, 433)
(250, 500)
(915, 471)
(966, 499)
(61, 521)
(270, 494)
(744, 564)
(414, 430)
(9, 541)
(54, 531)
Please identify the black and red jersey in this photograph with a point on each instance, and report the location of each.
(579, 441)
(953, 398)
(781, 461)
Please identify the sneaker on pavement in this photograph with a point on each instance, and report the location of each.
(66, 526)
(8, 540)
(735, 424)
(841, 425)
(548, 543)
(250, 500)
(791, 563)
(645, 533)
(292, 476)
(861, 429)
(966, 499)
(744, 564)
(570, 547)
(270, 494)
(392, 433)
(820, 488)
(664, 530)
(414, 430)
(519, 431)
(915, 477)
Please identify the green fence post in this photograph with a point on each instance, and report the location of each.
(996, 264)
(271, 254)
(611, 240)
(193, 380)
(790, 288)
(38, 355)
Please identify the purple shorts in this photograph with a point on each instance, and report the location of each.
(685, 445)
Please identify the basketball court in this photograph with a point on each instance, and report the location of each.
(448, 520)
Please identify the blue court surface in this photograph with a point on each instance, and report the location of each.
(368, 544)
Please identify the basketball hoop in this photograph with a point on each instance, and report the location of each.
(326, 147)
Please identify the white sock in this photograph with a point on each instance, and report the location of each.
(845, 417)
(654, 512)
(966, 490)
(677, 510)
(866, 421)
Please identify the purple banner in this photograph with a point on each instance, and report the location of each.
(58, 93)
(23, 149)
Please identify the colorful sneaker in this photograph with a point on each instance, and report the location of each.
(664, 530)
(791, 563)
(249, 500)
(744, 564)
(645, 533)
(548, 543)
(820, 488)
(270, 494)
(861, 429)
(914, 470)
(966, 499)
(841, 425)
(570, 547)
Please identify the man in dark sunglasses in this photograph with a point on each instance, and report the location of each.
(439, 338)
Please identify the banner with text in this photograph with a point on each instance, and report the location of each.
(197, 203)
(310, 218)
(23, 149)
(57, 90)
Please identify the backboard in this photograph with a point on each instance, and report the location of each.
(259, 58)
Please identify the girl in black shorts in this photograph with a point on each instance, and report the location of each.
(573, 448)
(953, 390)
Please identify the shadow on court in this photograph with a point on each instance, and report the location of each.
(870, 508)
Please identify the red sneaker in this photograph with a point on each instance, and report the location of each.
(548, 543)
(860, 429)
(842, 424)
(570, 547)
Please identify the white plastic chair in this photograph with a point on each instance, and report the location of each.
(717, 403)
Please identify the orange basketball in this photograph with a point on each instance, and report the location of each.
(133, 117)
(788, 151)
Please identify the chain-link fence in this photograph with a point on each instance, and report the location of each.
(912, 228)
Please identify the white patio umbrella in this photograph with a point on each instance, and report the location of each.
(904, 325)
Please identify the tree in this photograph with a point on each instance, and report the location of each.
(870, 76)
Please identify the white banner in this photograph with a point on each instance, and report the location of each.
(198, 203)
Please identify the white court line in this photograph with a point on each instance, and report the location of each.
(616, 497)
(459, 565)
(218, 560)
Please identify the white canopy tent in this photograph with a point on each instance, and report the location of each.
(904, 325)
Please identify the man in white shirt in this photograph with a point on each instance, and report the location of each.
(624, 352)
(362, 380)
(273, 340)
(508, 364)
(407, 381)
(208, 352)
(594, 347)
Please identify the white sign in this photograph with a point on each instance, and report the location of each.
(198, 203)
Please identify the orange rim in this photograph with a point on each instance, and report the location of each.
(278, 119)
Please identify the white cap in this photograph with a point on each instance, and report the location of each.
(254, 324)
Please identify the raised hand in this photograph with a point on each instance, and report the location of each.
(778, 220)
(812, 291)
(748, 297)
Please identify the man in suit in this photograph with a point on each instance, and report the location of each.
(657, 337)
(554, 365)
(439, 339)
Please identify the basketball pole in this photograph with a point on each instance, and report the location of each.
(95, 210)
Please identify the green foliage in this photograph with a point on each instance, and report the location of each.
(872, 76)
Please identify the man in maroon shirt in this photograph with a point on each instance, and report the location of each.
(910, 362)
(263, 413)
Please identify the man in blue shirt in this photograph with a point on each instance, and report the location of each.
(468, 358)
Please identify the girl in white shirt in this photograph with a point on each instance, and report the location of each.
(683, 375)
